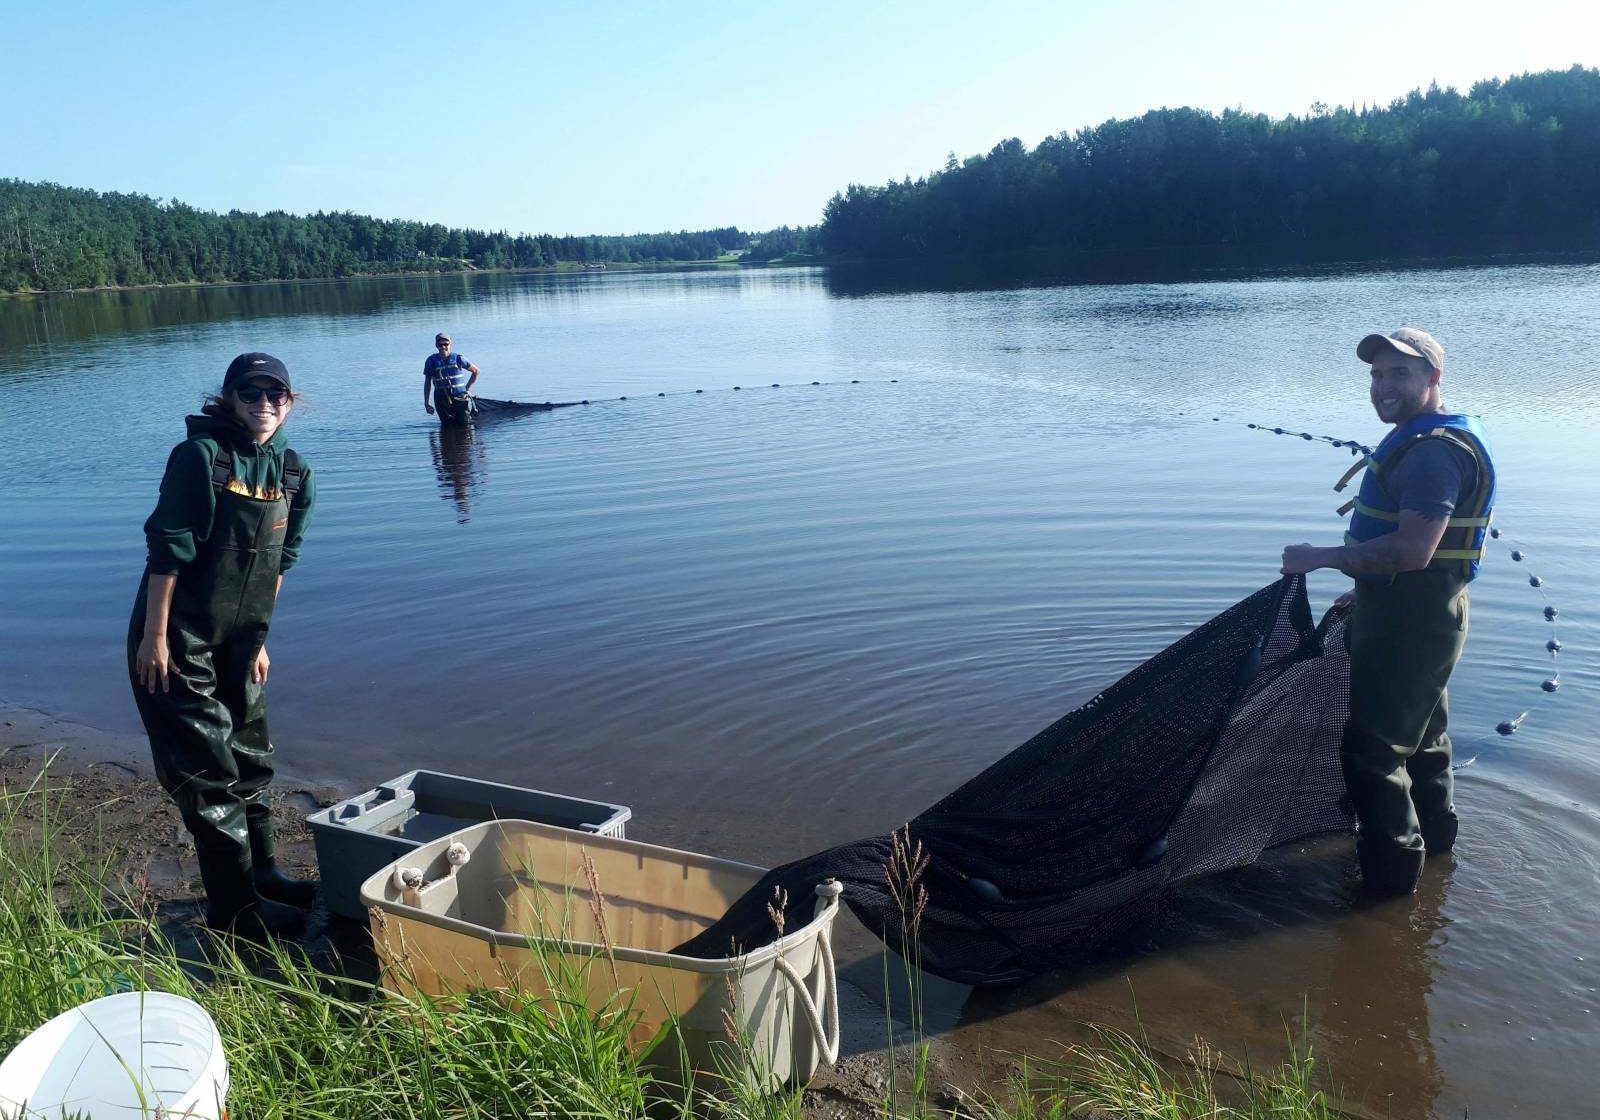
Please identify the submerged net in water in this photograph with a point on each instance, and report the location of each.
(489, 408)
(1219, 747)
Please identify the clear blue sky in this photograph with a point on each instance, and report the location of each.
(626, 117)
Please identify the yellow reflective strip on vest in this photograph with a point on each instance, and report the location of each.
(1438, 553)
(1450, 522)
(1362, 507)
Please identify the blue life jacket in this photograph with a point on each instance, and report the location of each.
(451, 372)
(1377, 512)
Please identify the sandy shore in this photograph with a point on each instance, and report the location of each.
(106, 778)
(104, 781)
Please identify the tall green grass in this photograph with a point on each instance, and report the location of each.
(908, 1086)
(306, 1043)
(1121, 1078)
(301, 1042)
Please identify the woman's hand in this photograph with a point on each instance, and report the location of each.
(152, 662)
(258, 670)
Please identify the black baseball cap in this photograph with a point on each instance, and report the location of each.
(255, 364)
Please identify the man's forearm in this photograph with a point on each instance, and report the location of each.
(1405, 551)
(1383, 556)
(1380, 556)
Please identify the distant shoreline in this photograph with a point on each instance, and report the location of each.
(560, 268)
(1149, 265)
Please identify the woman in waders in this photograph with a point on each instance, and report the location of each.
(234, 504)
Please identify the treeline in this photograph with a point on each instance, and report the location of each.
(1508, 166)
(54, 237)
(1511, 165)
(785, 243)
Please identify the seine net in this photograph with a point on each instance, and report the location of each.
(1224, 744)
(489, 408)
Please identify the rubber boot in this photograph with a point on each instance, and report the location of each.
(270, 882)
(233, 906)
(1388, 870)
(273, 885)
(1439, 833)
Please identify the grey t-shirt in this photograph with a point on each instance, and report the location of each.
(1433, 478)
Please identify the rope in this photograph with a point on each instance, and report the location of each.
(1552, 645)
(681, 393)
(829, 1037)
(1355, 448)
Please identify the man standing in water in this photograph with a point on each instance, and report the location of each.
(447, 380)
(1416, 538)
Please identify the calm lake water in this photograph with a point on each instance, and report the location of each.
(775, 618)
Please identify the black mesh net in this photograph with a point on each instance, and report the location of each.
(489, 408)
(1219, 747)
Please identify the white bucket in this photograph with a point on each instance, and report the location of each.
(117, 1058)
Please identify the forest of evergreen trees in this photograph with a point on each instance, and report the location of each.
(1509, 166)
(54, 237)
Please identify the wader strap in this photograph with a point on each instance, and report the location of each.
(222, 468)
(291, 473)
(1355, 468)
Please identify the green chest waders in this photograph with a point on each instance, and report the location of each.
(451, 409)
(208, 732)
(1405, 639)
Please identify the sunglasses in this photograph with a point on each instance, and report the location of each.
(442, 345)
(250, 394)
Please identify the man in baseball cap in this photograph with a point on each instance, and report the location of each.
(1416, 536)
(1409, 341)
(447, 380)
